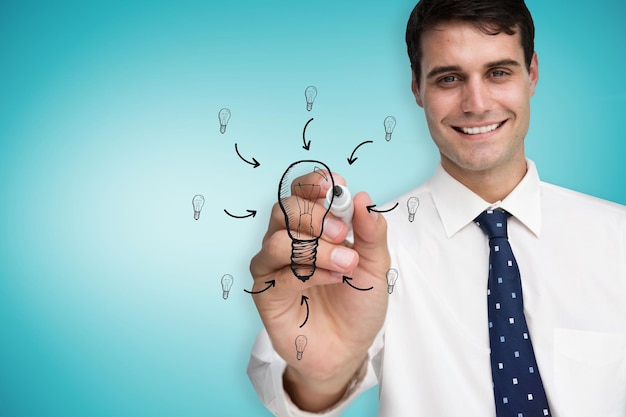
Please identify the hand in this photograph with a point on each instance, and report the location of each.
(342, 321)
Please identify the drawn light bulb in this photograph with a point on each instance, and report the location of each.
(390, 124)
(310, 93)
(224, 117)
(298, 210)
(227, 283)
(412, 204)
(300, 345)
(392, 276)
(197, 202)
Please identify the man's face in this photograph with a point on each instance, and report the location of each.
(475, 90)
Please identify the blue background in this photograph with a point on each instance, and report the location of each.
(110, 297)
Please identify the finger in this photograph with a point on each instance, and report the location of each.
(299, 216)
(306, 218)
(311, 186)
(370, 235)
(315, 185)
(277, 256)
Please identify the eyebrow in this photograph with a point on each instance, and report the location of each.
(455, 68)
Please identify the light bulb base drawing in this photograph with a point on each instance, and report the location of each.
(225, 295)
(390, 289)
(309, 106)
(303, 257)
(387, 137)
(196, 215)
(222, 129)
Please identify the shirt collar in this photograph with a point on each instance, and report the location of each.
(458, 206)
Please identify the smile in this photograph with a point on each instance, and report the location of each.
(478, 129)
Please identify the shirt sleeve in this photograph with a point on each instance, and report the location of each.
(266, 368)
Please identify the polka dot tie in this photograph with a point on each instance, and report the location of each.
(517, 384)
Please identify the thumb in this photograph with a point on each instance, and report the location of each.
(370, 235)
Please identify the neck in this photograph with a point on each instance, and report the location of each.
(492, 184)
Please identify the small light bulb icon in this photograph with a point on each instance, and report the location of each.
(298, 210)
(390, 124)
(224, 117)
(301, 342)
(310, 93)
(197, 202)
(412, 204)
(392, 276)
(227, 283)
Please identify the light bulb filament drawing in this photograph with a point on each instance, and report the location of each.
(197, 202)
(299, 209)
(227, 283)
(310, 93)
(310, 193)
(301, 342)
(390, 124)
(224, 117)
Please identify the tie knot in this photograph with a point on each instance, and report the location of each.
(493, 223)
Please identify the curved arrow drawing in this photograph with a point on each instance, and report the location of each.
(352, 158)
(307, 145)
(371, 208)
(347, 281)
(271, 283)
(305, 301)
(255, 163)
(250, 213)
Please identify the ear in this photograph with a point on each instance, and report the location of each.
(415, 89)
(533, 72)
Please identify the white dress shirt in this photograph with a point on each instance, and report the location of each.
(432, 356)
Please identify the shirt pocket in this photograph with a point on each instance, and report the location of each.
(590, 373)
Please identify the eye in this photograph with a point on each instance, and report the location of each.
(498, 73)
(448, 79)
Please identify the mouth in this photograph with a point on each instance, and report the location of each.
(479, 130)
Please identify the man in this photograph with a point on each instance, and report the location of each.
(430, 343)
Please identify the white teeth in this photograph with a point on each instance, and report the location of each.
(480, 130)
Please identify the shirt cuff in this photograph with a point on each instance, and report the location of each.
(352, 392)
(266, 369)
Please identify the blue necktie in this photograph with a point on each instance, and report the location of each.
(517, 385)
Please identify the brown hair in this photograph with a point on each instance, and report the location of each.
(489, 16)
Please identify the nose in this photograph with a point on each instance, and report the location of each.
(476, 96)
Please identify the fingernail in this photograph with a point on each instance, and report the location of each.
(342, 256)
(332, 227)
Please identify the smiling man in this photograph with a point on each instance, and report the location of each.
(510, 296)
(475, 89)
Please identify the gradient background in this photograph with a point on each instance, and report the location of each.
(110, 297)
